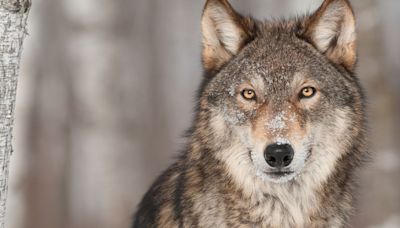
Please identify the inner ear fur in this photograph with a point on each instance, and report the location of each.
(224, 33)
(332, 30)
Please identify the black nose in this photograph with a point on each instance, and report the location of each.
(279, 155)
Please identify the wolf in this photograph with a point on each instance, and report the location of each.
(279, 129)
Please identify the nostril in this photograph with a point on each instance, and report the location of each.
(271, 159)
(286, 159)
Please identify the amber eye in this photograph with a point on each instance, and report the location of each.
(308, 92)
(249, 94)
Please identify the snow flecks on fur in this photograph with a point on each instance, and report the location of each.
(232, 91)
(277, 123)
(234, 116)
(280, 121)
(282, 141)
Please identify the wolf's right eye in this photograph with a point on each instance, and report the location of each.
(249, 94)
(308, 92)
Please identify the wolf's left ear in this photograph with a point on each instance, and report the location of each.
(224, 31)
(331, 29)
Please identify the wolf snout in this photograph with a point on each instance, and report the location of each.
(279, 155)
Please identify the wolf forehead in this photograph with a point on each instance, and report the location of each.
(276, 61)
(278, 56)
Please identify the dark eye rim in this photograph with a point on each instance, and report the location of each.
(314, 90)
(249, 99)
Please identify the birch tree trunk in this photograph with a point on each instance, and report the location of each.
(13, 17)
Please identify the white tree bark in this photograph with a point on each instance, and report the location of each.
(13, 17)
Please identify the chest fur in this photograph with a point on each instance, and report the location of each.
(285, 209)
(281, 210)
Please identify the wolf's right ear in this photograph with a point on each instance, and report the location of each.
(225, 32)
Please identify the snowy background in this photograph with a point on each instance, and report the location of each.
(107, 88)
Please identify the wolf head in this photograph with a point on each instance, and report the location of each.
(280, 98)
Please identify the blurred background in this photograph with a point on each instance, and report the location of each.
(107, 89)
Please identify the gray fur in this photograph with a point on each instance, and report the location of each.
(221, 179)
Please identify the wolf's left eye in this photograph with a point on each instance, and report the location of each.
(249, 94)
(308, 92)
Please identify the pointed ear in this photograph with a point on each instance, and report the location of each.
(224, 31)
(331, 29)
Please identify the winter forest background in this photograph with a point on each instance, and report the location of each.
(107, 88)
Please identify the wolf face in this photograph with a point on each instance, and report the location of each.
(281, 95)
